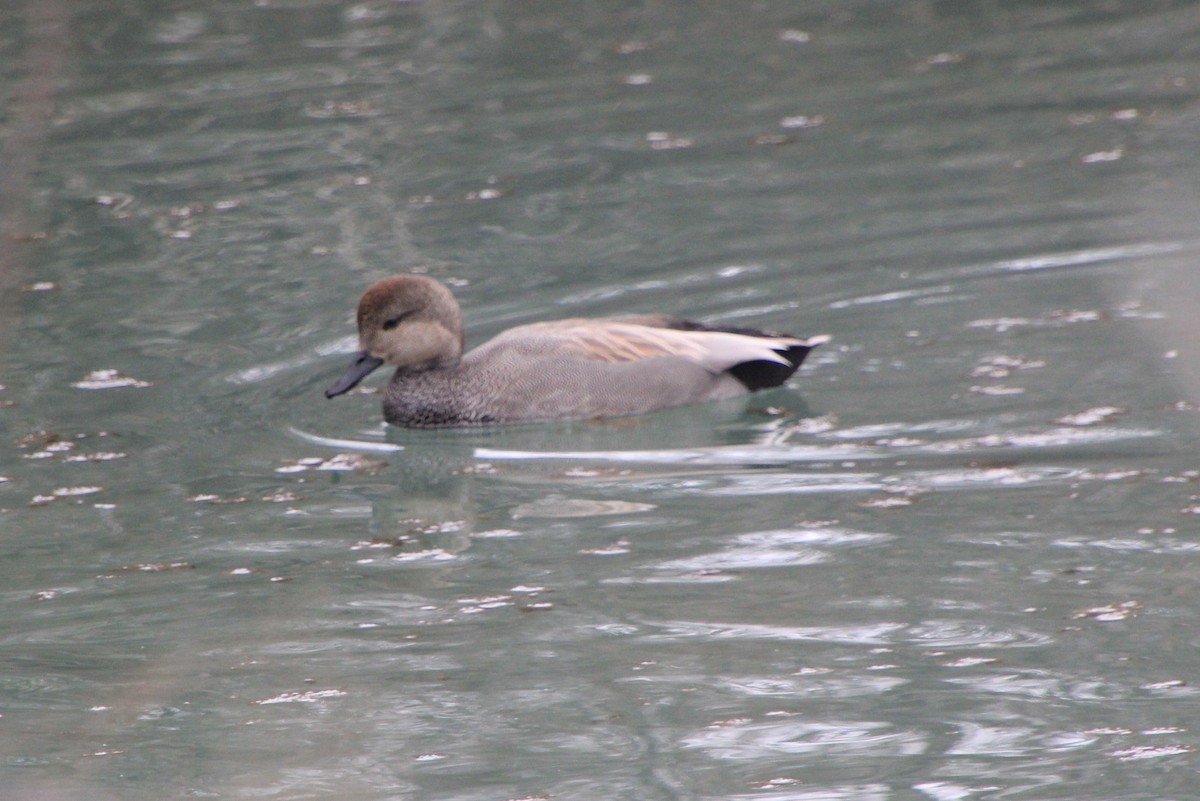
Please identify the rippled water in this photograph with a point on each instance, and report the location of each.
(954, 559)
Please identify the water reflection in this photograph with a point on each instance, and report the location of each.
(747, 741)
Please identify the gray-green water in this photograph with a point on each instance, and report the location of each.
(955, 559)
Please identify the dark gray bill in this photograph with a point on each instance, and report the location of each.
(364, 363)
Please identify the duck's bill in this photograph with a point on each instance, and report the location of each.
(364, 364)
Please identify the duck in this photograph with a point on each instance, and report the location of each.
(570, 369)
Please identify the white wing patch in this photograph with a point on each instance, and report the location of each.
(716, 351)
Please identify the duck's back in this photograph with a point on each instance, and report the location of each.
(585, 368)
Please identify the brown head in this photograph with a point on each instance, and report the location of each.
(408, 321)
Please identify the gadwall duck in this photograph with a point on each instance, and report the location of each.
(557, 370)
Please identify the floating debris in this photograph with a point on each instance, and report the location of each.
(497, 534)
(1000, 324)
(577, 507)
(970, 661)
(1150, 752)
(1090, 417)
(480, 469)
(1110, 612)
(300, 465)
(429, 554)
(1003, 324)
(97, 456)
(941, 59)
(891, 502)
(997, 390)
(1003, 366)
(63, 492)
(114, 201)
(348, 462)
(813, 425)
(379, 543)
(633, 46)
(779, 781)
(487, 601)
(51, 450)
(155, 567)
(795, 36)
(616, 549)
(593, 472)
(775, 139)
(188, 211)
(332, 109)
(802, 121)
(109, 379)
(1102, 156)
(1076, 315)
(353, 462)
(661, 140)
(901, 442)
(1110, 475)
(488, 193)
(39, 438)
(308, 697)
(209, 497)
(473, 606)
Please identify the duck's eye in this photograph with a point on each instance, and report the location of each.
(392, 322)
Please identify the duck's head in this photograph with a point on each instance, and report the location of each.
(408, 321)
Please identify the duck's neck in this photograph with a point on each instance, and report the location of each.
(429, 398)
(440, 363)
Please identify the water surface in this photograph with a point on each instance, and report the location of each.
(953, 559)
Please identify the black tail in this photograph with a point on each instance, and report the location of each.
(760, 374)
